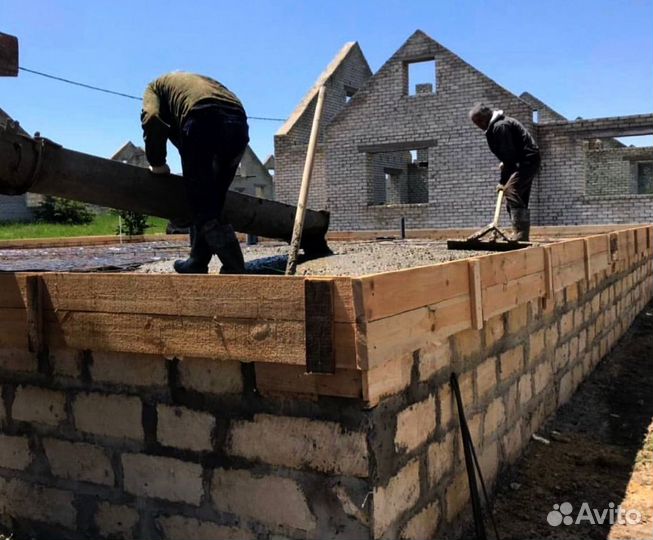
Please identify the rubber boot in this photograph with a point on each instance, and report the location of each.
(521, 224)
(221, 240)
(200, 256)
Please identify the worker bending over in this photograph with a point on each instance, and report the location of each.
(208, 125)
(511, 142)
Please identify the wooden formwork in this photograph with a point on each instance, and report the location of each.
(335, 336)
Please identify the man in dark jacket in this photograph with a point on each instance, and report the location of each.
(511, 142)
(208, 125)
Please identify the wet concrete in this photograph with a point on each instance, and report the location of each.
(349, 258)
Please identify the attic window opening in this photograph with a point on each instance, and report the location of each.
(536, 116)
(349, 93)
(422, 77)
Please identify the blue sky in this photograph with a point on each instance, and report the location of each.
(584, 58)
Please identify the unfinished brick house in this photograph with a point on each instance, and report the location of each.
(393, 145)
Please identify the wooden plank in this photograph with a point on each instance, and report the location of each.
(391, 293)
(8, 55)
(386, 380)
(246, 297)
(563, 276)
(395, 336)
(34, 308)
(598, 243)
(600, 261)
(246, 340)
(614, 246)
(641, 240)
(504, 267)
(319, 326)
(548, 273)
(280, 378)
(503, 297)
(73, 241)
(475, 294)
(567, 252)
(588, 260)
(12, 290)
(13, 328)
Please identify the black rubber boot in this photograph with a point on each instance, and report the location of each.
(521, 224)
(221, 241)
(200, 256)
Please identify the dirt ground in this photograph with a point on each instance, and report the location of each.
(600, 451)
(349, 258)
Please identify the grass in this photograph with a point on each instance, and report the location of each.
(103, 224)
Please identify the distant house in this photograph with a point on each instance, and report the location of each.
(17, 207)
(132, 154)
(252, 177)
(398, 144)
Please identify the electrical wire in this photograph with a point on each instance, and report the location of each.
(121, 94)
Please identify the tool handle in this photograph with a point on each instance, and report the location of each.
(497, 209)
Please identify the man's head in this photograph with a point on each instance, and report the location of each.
(481, 116)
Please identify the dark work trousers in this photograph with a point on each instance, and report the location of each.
(517, 187)
(213, 140)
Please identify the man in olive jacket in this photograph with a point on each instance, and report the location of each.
(208, 125)
(511, 142)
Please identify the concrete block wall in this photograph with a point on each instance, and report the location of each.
(562, 194)
(112, 445)
(462, 171)
(14, 208)
(347, 73)
(513, 374)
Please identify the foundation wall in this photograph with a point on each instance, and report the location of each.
(138, 406)
(513, 374)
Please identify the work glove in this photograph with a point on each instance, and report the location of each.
(500, 187)
(160, 169)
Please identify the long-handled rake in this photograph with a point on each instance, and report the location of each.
(490, 238)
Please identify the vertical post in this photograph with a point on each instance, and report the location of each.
(403, 228)
(306, 183)
(8, 55)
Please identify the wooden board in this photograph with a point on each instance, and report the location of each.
(245, 340)
(475, 294)
(13, 328)
(388, 379)
(245, 297)
(12, 290)
(395, 336)
(502, 268)
(278, 378)
(503, 297)
(391, 293)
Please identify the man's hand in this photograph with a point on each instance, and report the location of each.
(160, 169)
(500, 187)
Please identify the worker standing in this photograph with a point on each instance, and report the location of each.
(515, 147)
(208, 125)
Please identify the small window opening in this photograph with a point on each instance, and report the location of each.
(422, 78)
(399, 177)
(349, 93)
(536, 116)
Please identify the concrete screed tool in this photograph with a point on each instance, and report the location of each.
(490, 238)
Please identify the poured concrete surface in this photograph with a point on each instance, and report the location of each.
(349, 258)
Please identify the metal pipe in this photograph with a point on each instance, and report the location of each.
(41, 166)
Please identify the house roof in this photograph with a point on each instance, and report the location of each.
(269, 162)
(128, 148)
(339, 58)
(417, 38)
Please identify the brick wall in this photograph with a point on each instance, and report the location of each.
(346, 74)
(461, 169)
(513, 374)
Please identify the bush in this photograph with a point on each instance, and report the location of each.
(133, 223)
(58, 210)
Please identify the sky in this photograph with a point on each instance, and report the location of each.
(583, 58)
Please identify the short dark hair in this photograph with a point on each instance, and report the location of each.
(480, 110)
